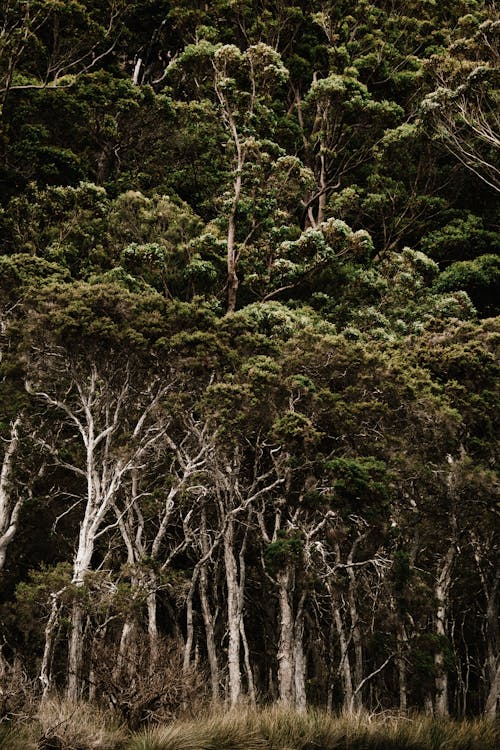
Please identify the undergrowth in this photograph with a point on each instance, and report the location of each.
(278, 729)
(59, 725)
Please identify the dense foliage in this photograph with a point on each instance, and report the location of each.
(248, 380)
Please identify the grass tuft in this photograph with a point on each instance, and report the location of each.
(70, 726)
(278, 729)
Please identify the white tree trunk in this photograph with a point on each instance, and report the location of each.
(492, 656)
(50, 628)
(357, 699)
(233, 616)
(75, 653)
(344, 667)
(123, 661)
(401, 664)
(9, 511)
(208, 619)
(209, 635)
(285, 580)
(490, 708)
(152, 629)
(299, 658)
(232, 276)
(441, 591)
(188, 647)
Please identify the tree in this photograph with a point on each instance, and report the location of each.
(261, 70)
(46, 44)
(112, 408)
(462, 112)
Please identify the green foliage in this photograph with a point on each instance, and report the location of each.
(359, 482)
(461, 239)
(480, 278)
(287, 549)
(347, 408)
(295, 429)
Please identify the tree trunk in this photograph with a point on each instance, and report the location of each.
(357, 702)
(152, 630)
(492, 657)
(9, 515)
(248, 667)
(285, 651)
(323, 188)
(299, 658)
(209, 635)
(344, 666)
(402, 640)
(233, 617)
(75, 653)
(189, 623)
(48, 650)
(123, 660)
(232, 276)
(441, 591)
(490, 708)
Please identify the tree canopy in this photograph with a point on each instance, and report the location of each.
(249, 287)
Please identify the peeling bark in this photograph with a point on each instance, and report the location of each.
(9, 510)
(441, 591)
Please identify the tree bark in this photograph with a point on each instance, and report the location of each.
(48, 650)
(402, 640)
(357, 701)
(285, 580)
(232, 276)
(344, 666)
(441, 592)
(209, 636)
(208, 620)
(75, 653)
(299, 658)
(492, 656)
(233, 616)
(9, 512)
(152, 630)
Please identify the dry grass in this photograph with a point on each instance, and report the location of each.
(60, 724)
(277, 729)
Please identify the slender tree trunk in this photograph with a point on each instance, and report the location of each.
(285, 580)
(428, 706)
(244, 642)
(233, 616)
(344, 667)
(75, 653)
(299, 658)
(248, 667)
(208, 622)
(441, 591)
(401, 664)
(75, 645)
(355, 634)
(232, 276)
(492, 656)
(9, 516)
(152, 630)
(48, 650)
(123, 660)
(189, 623)
(490, 708)
(323, 186)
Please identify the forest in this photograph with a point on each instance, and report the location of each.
(249, 285)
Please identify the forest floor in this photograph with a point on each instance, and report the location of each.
(83, 727)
